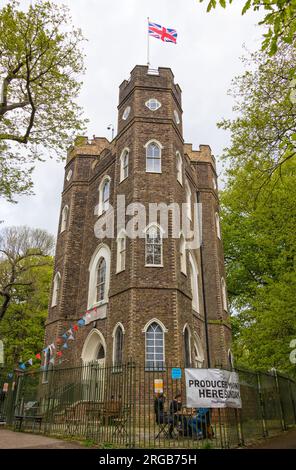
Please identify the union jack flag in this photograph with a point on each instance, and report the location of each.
(160, 32)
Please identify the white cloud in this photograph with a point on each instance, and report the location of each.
(204, 62)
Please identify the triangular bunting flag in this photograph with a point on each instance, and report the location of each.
(38, 356)
(71, 336)
(65, 346)
(59, 353)
(75, 328)
(81, 322)
(30, 361)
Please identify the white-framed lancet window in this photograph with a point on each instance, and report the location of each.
(99, 276)
(121, 251)
(188, 200)
(194, 282)
(179, 166)
(104, 195)
(187, 346)
(218, 227)
(153, 245)
(224, 294)
(56, 289)
(65, 216)
(118, 338)
(153, 156)
(124, 163)
(198, 352)
(154, 345)
(183, 254)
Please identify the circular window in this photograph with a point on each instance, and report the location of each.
(126, 113)
(69, 175)
(153, 104)
(177, 119)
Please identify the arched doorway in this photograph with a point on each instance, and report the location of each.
(94, 357)
(94, 348)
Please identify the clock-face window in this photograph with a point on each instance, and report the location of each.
(153, 104)
(126, 113)
(176, 115)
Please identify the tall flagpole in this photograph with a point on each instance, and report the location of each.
(148, 57)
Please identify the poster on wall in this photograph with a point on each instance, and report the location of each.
(158, 386)
(212, 388)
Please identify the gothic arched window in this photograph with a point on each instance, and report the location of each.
(154, 347)
(99, 276)
(179, 167)
(101, 280)
(65, 214)
(56, 289)
(124, 161)
(187, 353)
(104, 195)
(153, 157)
(218, 229)
(224, 295)
(118, 346)
(194, 278)
(153, 246)
(183, 254)
(121, 251)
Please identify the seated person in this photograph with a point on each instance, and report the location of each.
(198, 423)
(163, 417)
(175, 407)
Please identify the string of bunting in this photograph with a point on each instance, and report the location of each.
(50, 351)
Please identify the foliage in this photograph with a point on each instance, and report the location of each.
(22, 328)
(263, 134)
(280, 19)
(41, 63)
(22, 249)
(259, 215)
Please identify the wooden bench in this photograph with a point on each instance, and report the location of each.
(20, 419)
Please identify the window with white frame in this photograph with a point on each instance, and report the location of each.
(126, 113)
(198, 352)
(218, 228)
(124, 161)
(153, 157)
(65, 214)
(224, 295)
(188, 200)
(118, 346)
(56, 289)
(153, 104)
(154, 347)
(99, 276)
(194, 282)
(187, 352)
(104, 195)
(183, 254)
(121, 251)
(153, 246)
(101, 280)
(179, 167)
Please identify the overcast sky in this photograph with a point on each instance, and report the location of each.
(204, 62)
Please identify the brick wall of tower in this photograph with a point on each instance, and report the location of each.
(140, 293)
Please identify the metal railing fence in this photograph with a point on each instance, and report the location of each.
(117, 406)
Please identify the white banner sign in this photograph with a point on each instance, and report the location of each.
(212, 388)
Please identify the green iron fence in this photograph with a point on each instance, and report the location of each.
(116, 406)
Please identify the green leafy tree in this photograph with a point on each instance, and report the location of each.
(41, 62)
(280, 19)
(259, 214)
(22, 328)
(263, 134)
(22, 249)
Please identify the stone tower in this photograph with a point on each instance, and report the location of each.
(154, 297)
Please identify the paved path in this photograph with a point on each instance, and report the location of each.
(286, 440)
(19, 440)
